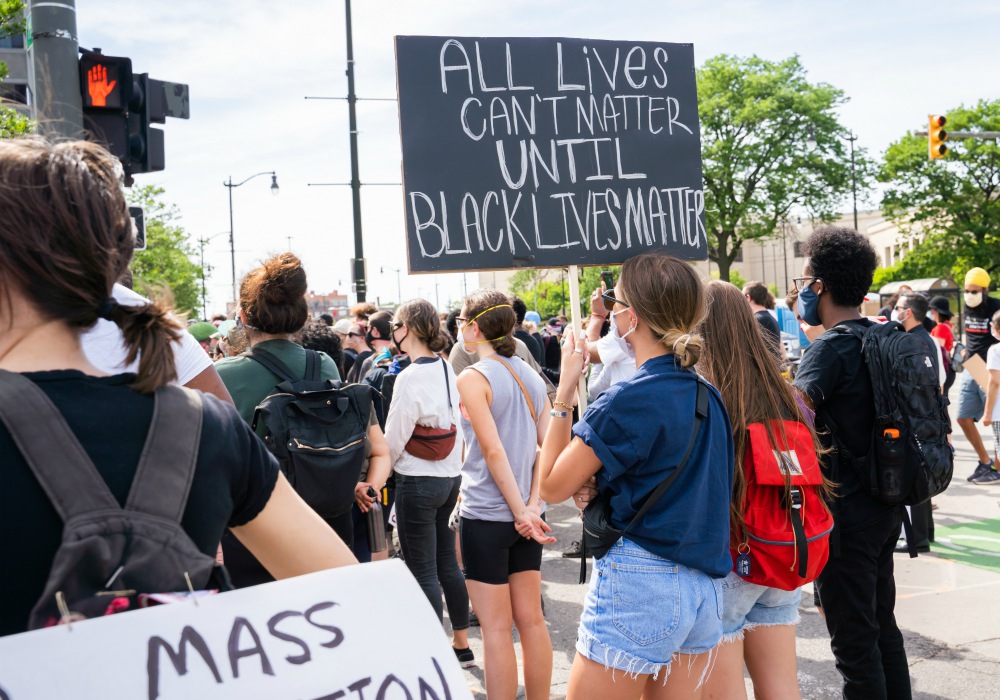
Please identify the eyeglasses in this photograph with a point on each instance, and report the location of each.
(610, 300)
(803, 282)
(460, 319)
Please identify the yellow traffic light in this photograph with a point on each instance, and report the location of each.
(936, 136)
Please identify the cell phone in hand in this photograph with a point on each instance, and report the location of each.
(608, 278)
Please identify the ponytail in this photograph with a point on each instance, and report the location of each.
(686, 347)
(148, 332)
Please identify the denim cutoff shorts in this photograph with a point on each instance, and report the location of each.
(746, 605)
(642, 609)
(971, 399)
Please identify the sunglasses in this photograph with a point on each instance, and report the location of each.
(610, 300)
(396, 325)
(352, 334)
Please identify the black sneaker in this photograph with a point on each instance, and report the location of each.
(981, 470)
(575, 551)
(473, 619)
(466, 659)
(991, 476)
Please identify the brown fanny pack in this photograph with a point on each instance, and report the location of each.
(434, 444)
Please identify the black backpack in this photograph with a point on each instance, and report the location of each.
(384, 383)
(317, 429)
(111, 556)
(909, 460)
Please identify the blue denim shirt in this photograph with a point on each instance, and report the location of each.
(640, 429)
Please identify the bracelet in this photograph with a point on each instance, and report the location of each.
(603, 318)
(558, 414)
(563, 404)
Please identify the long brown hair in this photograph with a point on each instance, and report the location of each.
(495, 318)
(273, 296)
(667, 295)
(421, 318)
(66, 237)
(741, 365)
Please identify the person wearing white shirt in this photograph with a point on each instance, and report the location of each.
(105, 348)
(425, 446)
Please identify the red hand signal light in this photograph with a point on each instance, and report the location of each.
(98, 86)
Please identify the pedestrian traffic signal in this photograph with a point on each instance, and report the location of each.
(936, 136)
(118, 108)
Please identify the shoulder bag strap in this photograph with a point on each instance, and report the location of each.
(55, 456)
(527, 398)
(272, 364)
(166, 469)
(701, 413)
(447, 381)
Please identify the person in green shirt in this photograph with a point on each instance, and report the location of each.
(272, 310)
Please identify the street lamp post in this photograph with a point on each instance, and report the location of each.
(229, 184)
(399, 288)
(851, 138)
(202, 242)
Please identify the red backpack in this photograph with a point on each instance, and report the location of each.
(786, 541)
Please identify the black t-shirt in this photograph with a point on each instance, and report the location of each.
(834, 376)
(534, 347)
(233, 480)
(772, 334)
(978, 338)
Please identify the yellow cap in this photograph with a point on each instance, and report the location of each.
(978, 276)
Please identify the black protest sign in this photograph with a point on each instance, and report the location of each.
(547, 152)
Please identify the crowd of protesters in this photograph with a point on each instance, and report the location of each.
(500, 388)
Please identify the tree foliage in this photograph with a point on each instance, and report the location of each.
(755, 116)
(167, 260)
(951, 205)
(12, 122)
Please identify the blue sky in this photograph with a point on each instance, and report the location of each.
(250, 64)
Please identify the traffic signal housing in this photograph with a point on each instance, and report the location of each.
(119, 108)
(936, 136)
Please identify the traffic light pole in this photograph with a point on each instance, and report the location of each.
(358, 266)
(966, 134)
(54, 52)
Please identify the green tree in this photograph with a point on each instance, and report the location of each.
(951, 205)
(12, 122)
(755, 117)
(167, 260)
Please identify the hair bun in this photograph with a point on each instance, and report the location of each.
(284, 279)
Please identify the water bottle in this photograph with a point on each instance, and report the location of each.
(376, 524)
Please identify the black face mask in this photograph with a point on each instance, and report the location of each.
(399, 343)
(370, 339)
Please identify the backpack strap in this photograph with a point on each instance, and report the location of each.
(527, 398)
(312, 366)
(56, 458)
(166, 469)
(700, 414)
(273, 365)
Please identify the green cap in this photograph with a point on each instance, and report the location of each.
(202, 330)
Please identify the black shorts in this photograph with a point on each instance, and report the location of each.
(492, 551)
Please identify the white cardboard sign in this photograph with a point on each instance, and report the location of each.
(361, 632)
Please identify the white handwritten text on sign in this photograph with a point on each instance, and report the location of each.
(363, 631)
(548, 152)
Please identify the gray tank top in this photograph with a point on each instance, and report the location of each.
(481, 498)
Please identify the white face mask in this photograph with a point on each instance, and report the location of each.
(973, 299)
(894, 316)
(620, 339)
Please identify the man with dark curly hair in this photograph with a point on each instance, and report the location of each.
(856, 589)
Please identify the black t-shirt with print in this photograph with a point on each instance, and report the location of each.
(233, 480)
(834, 376)
(978, 338)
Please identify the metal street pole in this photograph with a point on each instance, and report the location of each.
(229, 184)
(204, 299)
(854, 183)
(55, 54)
(352, 99)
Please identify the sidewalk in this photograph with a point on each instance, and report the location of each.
(948, 611)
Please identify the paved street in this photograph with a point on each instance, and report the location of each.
(947, 610)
